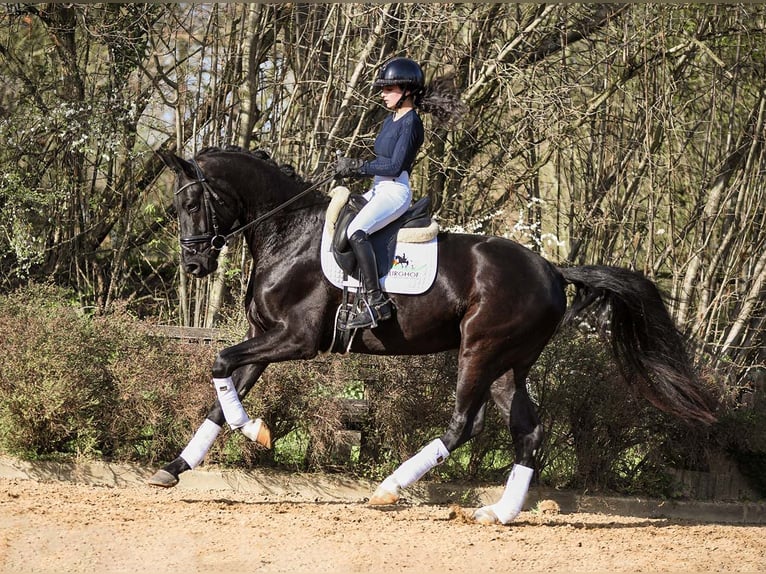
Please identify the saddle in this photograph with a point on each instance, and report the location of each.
(414, 226)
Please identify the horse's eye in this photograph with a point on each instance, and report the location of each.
(192, 208)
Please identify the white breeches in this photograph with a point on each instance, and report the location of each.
(387, 199)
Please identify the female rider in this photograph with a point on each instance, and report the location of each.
(402, 89)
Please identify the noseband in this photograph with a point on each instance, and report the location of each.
(215, 240)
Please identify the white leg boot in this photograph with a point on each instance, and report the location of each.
(410, 471)
(233, 411)
(235, 415)
(510, 504)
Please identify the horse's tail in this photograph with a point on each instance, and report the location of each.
(648, 346)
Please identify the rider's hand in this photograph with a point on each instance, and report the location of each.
(348, 167)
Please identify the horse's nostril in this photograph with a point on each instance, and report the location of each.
(200, 268)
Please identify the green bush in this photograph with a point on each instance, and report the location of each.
(107, 387)
(95, 387)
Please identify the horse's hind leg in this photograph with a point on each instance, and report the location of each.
(209, 430)
(519, 414)
(521, 417)
(433, 454)
(409, 472)
(467, 421)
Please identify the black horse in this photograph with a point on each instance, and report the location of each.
(495, 301)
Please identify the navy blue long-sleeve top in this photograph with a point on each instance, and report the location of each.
(396, 146)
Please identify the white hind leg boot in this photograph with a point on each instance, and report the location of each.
(410, 471)
(511, 502)
(413, 469)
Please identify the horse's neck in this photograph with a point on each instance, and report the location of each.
(287, 236)
(289, 229)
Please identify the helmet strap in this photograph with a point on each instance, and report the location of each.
(405, 95)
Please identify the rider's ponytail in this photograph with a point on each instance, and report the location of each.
(441, 99)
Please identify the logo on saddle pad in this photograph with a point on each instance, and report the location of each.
(403, 267)
(413, 268)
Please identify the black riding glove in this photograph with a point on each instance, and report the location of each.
(348, 167)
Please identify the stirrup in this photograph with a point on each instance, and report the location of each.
(371, 315)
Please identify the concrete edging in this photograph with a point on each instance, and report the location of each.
(339, 488)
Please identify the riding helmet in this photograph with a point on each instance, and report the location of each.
(401, 72)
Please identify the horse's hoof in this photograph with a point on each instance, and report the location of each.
(485, 515)
(164, 479)
(258, 432)
(383, 497)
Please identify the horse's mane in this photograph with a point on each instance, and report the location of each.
(260, 154)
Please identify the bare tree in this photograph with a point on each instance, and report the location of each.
(627, 134)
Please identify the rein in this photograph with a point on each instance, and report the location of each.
(280, 207)
(217, 240)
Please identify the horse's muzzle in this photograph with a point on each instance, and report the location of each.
(200, 266)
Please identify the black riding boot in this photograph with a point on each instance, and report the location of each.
(379, 306)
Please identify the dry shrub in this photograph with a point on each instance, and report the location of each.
(162, 389)
(53, 385)
(592, 419)
(106, 387)
(99, 387)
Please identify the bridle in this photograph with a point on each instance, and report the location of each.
(216, 241)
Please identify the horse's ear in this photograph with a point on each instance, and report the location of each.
(176, 163)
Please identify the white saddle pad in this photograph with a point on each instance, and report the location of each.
(413, 272)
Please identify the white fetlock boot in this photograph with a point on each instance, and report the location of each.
(510, 504)
(411, 470)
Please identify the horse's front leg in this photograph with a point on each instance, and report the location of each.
(235, 371)
(195, 451)
(272, 346)
(230, 395)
